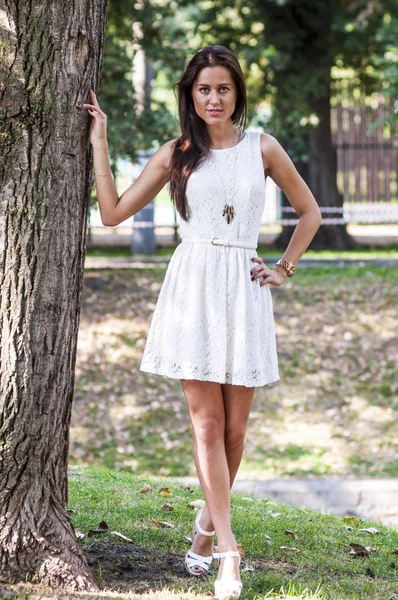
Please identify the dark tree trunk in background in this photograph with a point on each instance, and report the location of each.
(321, 178)
(51, 56)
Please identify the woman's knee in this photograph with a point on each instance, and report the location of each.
(208, 430)
(235, 436)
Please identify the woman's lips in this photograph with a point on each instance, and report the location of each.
(215, 112)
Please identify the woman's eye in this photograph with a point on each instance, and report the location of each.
(223, 89)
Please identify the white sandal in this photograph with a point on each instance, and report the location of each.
(227, 589)
(193, 560)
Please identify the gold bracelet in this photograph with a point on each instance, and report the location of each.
(103, 174)
(290, 268)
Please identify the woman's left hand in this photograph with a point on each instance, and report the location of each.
(272, 276)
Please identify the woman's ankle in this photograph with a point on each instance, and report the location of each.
(205, 520)
(227, 545)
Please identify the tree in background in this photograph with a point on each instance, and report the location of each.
(137, 124)
(288, 48)
(148, 36)
(51, 57)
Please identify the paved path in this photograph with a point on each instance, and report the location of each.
(375, 235)
(374, 499)
(99, 262)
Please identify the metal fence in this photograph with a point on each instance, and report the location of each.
(366, 156)
(366, 166)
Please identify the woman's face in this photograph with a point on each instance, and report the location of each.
(214, 95)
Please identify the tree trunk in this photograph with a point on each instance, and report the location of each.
(322, 175)
(52, 55)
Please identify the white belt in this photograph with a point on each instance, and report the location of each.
(218, 242)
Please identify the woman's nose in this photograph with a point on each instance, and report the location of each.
(214, 99)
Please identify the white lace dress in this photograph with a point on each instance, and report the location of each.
(211, 322)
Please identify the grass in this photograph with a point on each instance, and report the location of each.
(371, 252)
(151, 565)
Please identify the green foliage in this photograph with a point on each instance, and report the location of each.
(130, 27)
(117, 99)
(292, 45)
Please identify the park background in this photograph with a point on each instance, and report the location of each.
(336, 322)
(322, 78)
(326, 435)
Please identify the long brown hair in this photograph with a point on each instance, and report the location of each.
(194, 143)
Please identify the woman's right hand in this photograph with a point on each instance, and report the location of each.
(98, 133)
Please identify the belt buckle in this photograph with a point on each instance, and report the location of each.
(212, 241)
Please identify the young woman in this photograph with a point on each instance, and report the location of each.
(213, 325)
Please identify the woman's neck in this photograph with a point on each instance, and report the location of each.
(225, 137)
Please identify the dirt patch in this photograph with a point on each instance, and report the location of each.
(131, 568)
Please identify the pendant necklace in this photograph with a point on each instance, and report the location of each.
(228, 210)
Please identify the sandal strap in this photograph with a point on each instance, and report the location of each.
(229, 588)
(231, 553)
(198, 559)
(199, 528)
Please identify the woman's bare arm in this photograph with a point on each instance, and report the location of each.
(279, 166)
(153, 178)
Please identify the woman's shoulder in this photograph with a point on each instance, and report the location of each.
(164, 152)
(168, 147)
(268, 142)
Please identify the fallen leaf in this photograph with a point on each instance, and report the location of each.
(102, 528)
(273, 514)
(165, 492)
(197, 504)
(147, 488)
(121, 536)
(359, 550)
(167, 507)
(248, 568)
(162, 523)
(294, 536)
(351, 519)
(371, 530)
(186, 486)
(79, 534)
(240, 549)
(289, 549)
(394, 551)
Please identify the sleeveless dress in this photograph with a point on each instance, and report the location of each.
(211, 321)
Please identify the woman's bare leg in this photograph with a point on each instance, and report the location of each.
(237, 404)
(219, 414)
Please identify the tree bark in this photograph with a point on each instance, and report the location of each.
(51, 56)
(322, 175)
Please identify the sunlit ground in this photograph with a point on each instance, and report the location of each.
(333, 413)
